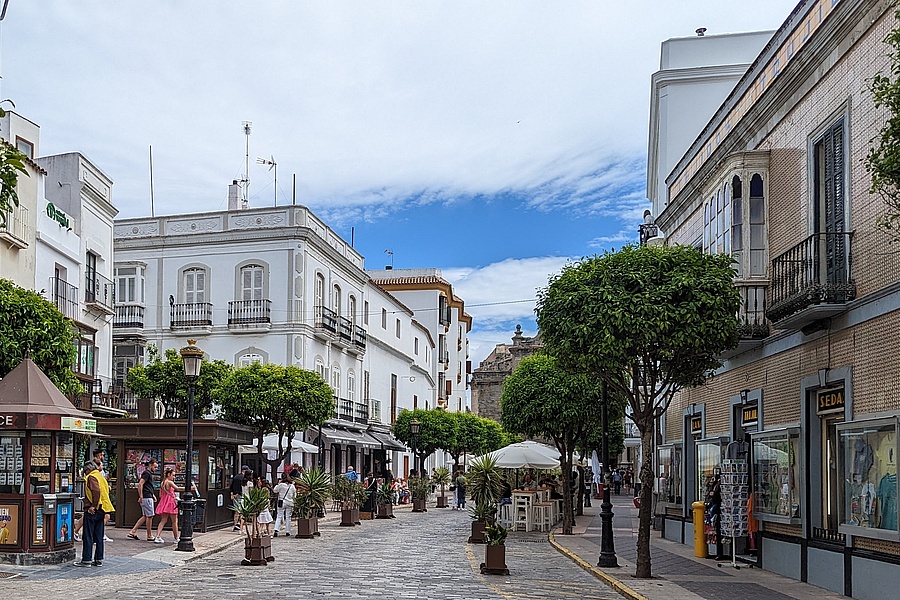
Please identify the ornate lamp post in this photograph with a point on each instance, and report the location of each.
(191, 356)
(414, 430)
(607, 545)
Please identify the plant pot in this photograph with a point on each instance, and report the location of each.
(477, 536)
(442, 502)
(494, 561)
(348, 519)
(356, 518)
(308, 528)
(419, 506)
(257, 551)
(365, 515)
(385, 511)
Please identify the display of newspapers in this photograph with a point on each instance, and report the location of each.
(735, 487)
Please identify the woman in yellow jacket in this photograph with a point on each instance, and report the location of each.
(95, 508)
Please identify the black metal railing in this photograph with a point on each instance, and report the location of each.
(815, 271)
(65, 297)
(193, 314)
(99, 290)
(752, 323)
(359, 337)
(343, 409)
(361, 412)
(345, 328)
(129, 315)
(245, 312)
(326, 319)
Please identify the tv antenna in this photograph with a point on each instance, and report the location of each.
(390, 253)
(272, 165)
(246, 180)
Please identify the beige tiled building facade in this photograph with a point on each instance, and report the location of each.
(809, 399)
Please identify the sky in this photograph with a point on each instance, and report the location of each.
(494, 140)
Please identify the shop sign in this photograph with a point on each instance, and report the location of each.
(9, 524)
(57, 215)
(64, 530)
(76, 424)
(38, 536)
(8, 421)
(749, 416)
(696, 425)
(829, 401)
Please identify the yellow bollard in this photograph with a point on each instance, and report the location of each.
(700, 547)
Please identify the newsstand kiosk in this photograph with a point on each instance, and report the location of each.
(37, 468)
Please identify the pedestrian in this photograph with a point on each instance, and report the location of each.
(97, 503)
(296, 471)
(167, 509)
(351, 474)
(237, 490)
(98, 455)
(147, 500)
(285, 492)
(460, 491)
(265, 515)
(617, 482)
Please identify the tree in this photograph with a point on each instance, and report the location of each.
(164, 380)
(541, 399)
(883, 161)
(436, 431)
(12, 163)
(649, 321)
(274, 399)
(472, 434)
(32, 326)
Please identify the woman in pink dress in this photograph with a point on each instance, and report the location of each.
(167, 508)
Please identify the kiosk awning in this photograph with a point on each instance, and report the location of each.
(389, 441)
(29, 400)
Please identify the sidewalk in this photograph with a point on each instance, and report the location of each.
(677, 573)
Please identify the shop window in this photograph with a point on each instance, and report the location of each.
(669, 474)
(830, 476)
(867, 463)
(709, 459)
(776, 475)
(12, 461)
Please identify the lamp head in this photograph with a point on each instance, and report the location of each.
(191, 356)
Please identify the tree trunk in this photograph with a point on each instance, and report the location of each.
(645, 513)
(568, 513)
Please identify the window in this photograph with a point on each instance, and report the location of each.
(319, 293)
(351, 386)
(366, 312)
(336, 380)
(130, 284)
(252, 282)
(829, 184)
(320, 368)
(393, 398)
(351, 306)
(776, 474)
(669, 474)
(415, 402)
(194, 281)
(25, 147)
(709, 459)
(397, 328)
(90, 277)
(336, 300)
(758, 261)
(384, 318)
(868, 465)
(248, 359)
(416, 346)
(717, 223)
(85, 352)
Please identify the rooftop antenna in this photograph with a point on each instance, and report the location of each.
(390, 253)
(272, 165)
(700, 31)
(246, 179)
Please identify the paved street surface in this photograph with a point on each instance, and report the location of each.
(421, 555)
(678, 575)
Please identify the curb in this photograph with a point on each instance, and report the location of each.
(601, 575)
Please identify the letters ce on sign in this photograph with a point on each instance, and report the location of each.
(829, 401)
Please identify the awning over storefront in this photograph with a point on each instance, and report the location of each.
(389, 441)
(270, 442)
(349, 437)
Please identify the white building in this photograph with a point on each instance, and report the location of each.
(17, 247)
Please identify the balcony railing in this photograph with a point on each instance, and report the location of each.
(814, 272)
(375, 412)
(246, 312)
(65, 297)
(341, 328)
(361, 412)
(343, 409)
(195, 314)
(16, 228)
(359, 337)
(326, 319)
(752, 323)
(129, 315)
(99, 291)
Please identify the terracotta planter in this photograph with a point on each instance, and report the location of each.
(477, 536)
(494, 561)
(257, 551)
(385, 511)
(419, 506)
(308, 528)
(442, 502)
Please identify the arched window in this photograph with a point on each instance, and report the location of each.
(248, 359)
(758, 262)
(320, 368)
(252, 282)
(737, 225)
(336, 300)
(351, 386)
(336, 380)
(351, 308)
(319, 295)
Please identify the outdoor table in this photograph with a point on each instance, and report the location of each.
(524, 500)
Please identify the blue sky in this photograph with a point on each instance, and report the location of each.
(493, 140)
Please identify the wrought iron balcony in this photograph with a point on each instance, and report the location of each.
(192, 314)
(360, 337)
(343, 409)
(248, 312)
(361, 412)
(15, 231)
(812, 281)
(129, 315)
(65, 297)
(99, 292)
(326, 319)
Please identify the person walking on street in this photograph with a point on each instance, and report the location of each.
(167, 509)
(351, 474)
(284, 492)
(460, 491)
(98, 504)
(98, 460)
(147, 501)
(237, 490)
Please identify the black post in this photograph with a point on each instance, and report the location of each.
(321, 450)
(607, 545)
(415, 457)
(186, 541)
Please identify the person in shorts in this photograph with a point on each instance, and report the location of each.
(147, 500)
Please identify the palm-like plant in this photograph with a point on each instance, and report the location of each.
(314, 487)
(342, 491)
(385, 495)
(441, 477)
(485, 480)
(249, 506)
(419, 487)
(495, 535)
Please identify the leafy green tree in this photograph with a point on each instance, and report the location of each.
(436, 431)
(162, 378)
(274, 399)
(541, 399)
(883, 160)
(650, 321)
(472, 434)
(32, 326)
(12, 164)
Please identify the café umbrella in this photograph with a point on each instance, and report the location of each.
(523, 455)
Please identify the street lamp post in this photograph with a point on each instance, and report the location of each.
(191, 356)
(414, 430)
(607, 545)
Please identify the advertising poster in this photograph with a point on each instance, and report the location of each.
(64, 522)
(9, 524)
(39, 536)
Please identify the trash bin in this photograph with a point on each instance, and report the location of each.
(700, 547)
(199, 511)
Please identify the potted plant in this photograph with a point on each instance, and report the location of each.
(257, 544)
(419, 488)
(485, 485)
(441, 477)
(358, 495)
(312, 492)
(342, 493)
(384, 500)
(495, 551)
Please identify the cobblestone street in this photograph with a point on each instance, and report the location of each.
(412, 556)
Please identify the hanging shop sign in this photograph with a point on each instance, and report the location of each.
(57, 215)
(696, 425)
(830, 401)
(749, 416)
(76, 424)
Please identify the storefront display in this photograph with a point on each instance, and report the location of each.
(669, 474)
(867, 452)
(709, 459)
(735, 491)
(776, 475)
(11, 463)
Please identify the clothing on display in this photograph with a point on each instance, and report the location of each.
(867, 450)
